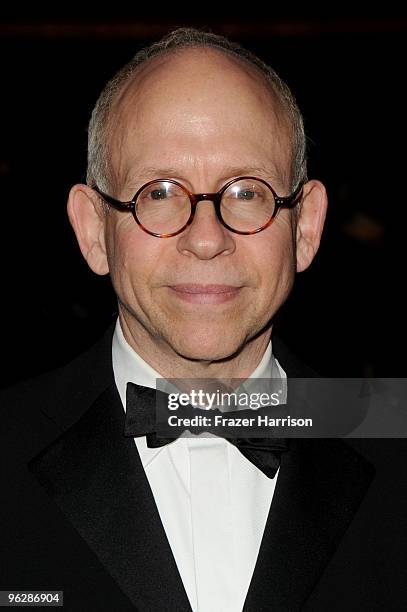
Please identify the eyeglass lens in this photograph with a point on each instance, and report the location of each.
(164, 207)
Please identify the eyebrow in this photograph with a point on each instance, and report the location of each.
(228, 172)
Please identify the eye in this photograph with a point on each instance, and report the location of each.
(158, 194)
(246, 194)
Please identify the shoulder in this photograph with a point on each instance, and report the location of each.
(387, 455)
(56, 398)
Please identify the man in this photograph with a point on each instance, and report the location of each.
(198, 206)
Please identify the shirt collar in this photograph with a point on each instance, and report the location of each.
(128, 366)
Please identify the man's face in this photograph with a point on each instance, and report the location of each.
(202, 119)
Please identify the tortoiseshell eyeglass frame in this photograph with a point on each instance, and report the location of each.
(280, 202)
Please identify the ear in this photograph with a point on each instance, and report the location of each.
(310, 223)
(87, 218)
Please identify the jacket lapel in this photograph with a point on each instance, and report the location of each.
(320, 485)
(94, 474)
(319, 488)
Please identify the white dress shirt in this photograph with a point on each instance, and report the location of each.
(212, 501)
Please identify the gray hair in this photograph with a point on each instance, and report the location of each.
(99, 169)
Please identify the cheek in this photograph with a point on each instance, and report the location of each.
(133, 256)
(276, 267)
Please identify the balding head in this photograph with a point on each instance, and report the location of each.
(197, 104)
(100, 170)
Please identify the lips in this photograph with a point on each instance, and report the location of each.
(204, 294)
(195, 288)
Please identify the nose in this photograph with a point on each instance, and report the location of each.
(206, 237)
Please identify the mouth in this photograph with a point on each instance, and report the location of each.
(204, 294)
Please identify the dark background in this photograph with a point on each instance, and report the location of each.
(346, 314)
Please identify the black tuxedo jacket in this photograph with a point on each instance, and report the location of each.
(77, 513)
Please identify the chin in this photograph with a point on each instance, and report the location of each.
(206, 347)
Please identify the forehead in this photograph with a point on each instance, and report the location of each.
(196, 105)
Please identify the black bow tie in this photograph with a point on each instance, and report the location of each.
(264, 453)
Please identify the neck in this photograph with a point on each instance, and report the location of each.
(170, 364)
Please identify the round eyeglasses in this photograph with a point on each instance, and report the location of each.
(165, 207)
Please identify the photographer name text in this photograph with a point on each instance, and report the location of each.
(222, 421)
